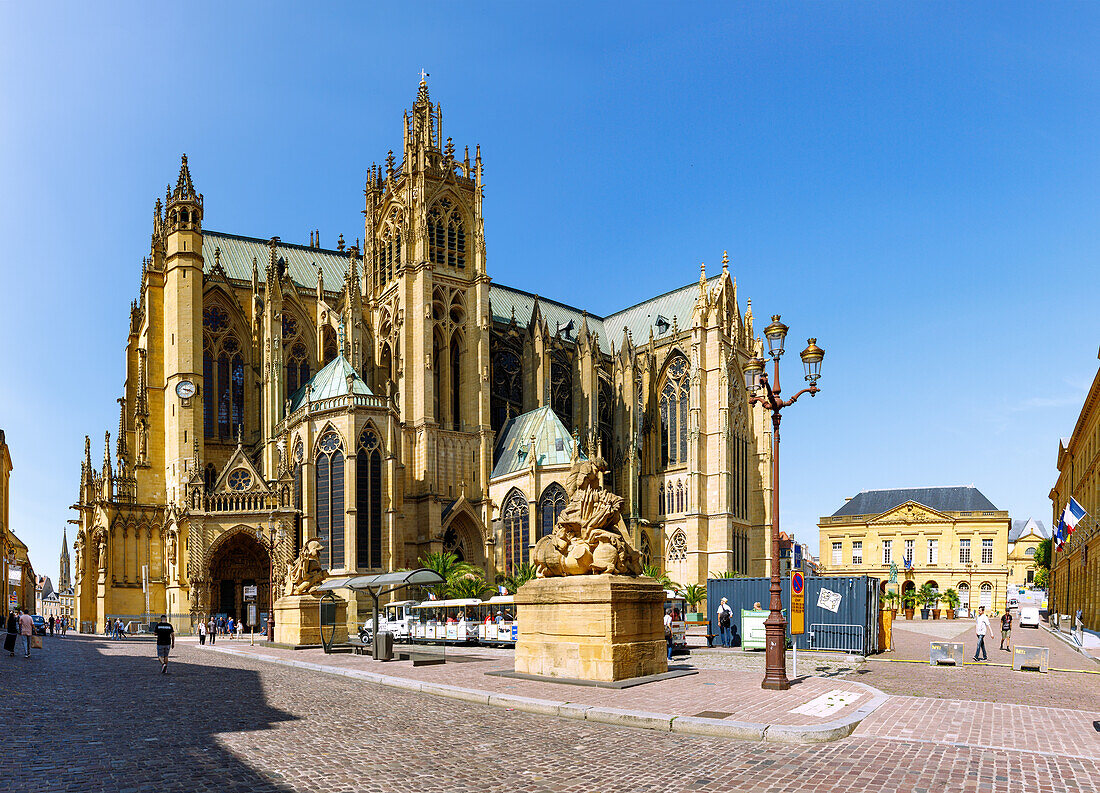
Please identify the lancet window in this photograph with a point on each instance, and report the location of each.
(368, 500)
(677, 546)
(223, 375)
(506, 400)
(388, 252)
(446, 235)
(551, 504)
(561, 390)
(515, 517)
(295, 353)
(329, 479)
(673, 405)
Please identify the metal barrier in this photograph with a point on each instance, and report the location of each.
(1030, 658)
(945, 653)
(842, 638)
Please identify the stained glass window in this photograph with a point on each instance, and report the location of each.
(368, 498)
(329, 477)
(507, 387)
(551, 504)
(239, 479)
(674, 413)
(516, 521)
(561, 391)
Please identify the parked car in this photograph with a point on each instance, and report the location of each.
(39, 623)
(1013, 603)
(1029, 617)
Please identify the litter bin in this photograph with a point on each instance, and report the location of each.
(383, 646)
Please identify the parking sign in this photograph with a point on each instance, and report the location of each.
(798, 603)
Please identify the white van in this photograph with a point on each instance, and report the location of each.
(1029, 617)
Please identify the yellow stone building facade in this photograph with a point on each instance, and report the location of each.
(951, 537)
(1075, 570)
(361, 395)
(1023, 540)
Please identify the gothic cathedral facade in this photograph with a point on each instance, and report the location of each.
(392, 401)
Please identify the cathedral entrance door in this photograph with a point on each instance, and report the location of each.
(240, 561)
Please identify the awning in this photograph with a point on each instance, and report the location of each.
(403, 578)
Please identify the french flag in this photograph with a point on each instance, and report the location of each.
(1072, 515)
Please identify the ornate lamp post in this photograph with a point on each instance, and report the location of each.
(766, 393)
(274, 537)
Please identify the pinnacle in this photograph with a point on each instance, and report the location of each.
(184, 187)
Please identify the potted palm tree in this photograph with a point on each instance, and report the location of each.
(950, 598)
(908, 604)
(926, 596)
(694, 594)
(891, 601)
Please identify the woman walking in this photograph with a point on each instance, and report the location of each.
(9, 636)
(202, 632)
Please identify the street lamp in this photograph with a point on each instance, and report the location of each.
(274, 536)
(763, 392)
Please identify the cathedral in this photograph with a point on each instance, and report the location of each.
(391, 400)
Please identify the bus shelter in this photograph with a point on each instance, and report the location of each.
(378, 586)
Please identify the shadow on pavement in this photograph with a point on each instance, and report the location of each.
(89, 714)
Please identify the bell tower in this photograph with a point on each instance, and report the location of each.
(181, 338)
(428, 293)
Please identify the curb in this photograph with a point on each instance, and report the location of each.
(619, 717)
(1069, 643)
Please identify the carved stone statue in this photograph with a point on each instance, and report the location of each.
(78, 546)
(589, 537)
(102, 553)
(305, 573)
(171, 547)
(142, 442)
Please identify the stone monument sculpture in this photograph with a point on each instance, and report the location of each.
(590, 614)
(298, 611)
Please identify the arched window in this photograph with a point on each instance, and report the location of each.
(673, 401)
(561, 390)
(329, 479)
(328, 345)
(437, 379)
(385, 370)
(551, 504)
(295, 353)
(661, 509)
(388, 252)
(644, 550)
(507, 382)
(985, 596)
(446, 235)
(679, 496)
(223, 375)
(209, 477)
(456, 383)
(368, 500)
(297, 466)
(964, 594)
(677, 546)
(515, 519)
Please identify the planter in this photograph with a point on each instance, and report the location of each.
(909, 614)
(924, 613)
(935, 614)
(893, 614)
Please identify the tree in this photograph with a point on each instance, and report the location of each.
(725, 574)
(927, 594)
(1042, 557)
(694, 594)
(471, 585)
(524, 573)
(654, 572)
(1042, 577)
(449, 567)
(950, 598)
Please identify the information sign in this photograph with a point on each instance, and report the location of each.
(250, 592)
(798, 603)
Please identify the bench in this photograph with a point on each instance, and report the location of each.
(420, 659)
(358, 646)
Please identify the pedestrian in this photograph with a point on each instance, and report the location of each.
(240, 629)
(11, 628)
(166, 640)
(26, 629)
(51, 625)
(229, 627)
(725, 620)
(981, 628)
(1006, 630)
(202, 632)
(212, 630)
(668, 633)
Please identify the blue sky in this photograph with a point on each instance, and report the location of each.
(913, 184)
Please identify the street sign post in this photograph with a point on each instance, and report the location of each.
(250, 592)
(797, 556)
(798, 613)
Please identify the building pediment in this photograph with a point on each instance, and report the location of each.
(911, 512)
(252, 483)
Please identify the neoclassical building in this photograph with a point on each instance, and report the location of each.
(391, 400)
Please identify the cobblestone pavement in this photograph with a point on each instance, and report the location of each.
(88, 715)
(1056, 689)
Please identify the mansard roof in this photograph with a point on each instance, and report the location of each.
(330, 381)
(553, 443)
(1021, 528)
(941, 499)
(302, 261)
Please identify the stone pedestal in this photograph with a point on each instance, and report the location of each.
(298, 620)
(591, 627)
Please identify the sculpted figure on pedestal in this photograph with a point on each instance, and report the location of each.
(305, 573)
(102, 554)
(589, 537)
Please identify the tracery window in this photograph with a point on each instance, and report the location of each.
(295, 353)
(456, 383)
(388, 253)
(239, 479)
(677, 546)
(446, 235)
(209, 477)
(644, 549)
(223, 375)
(299, 460)
(329, 479)
(368, 500)
(561, 391)
(551, 504)
(515, 518)
(673, 403)
(507, 395)
(329, 350)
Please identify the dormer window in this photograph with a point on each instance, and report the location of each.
(662, 325)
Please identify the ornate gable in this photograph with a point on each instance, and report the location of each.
(248, 481)
(912, 512)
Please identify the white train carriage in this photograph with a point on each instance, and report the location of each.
(499, 625)
(446, 621)
(395, 618)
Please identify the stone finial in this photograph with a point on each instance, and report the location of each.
(725, 262)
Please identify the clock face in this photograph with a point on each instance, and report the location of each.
(185, 389)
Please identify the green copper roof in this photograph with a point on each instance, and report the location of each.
(331, 381)
(553, 443)
(301, 261)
